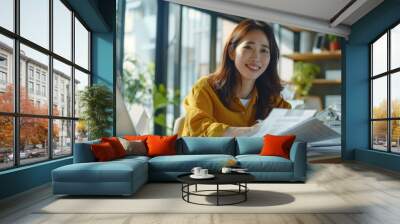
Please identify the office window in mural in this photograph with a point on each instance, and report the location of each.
(385, 97)
(224, 29)
(195, 47)
(139, 42)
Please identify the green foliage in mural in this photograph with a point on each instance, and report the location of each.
(139, 88)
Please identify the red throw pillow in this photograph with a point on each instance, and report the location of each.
(161, 145)
(116, 145)
(277, 145)
(136, 137)
(103, 151)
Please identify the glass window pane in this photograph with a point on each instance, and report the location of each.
(395, 94)
(34, 96)
(81, 45)
(379, 55)
(379, 98)
(62, 29)
(224, 29)
(7, 14)
(173, 50)
(6, 142)
(62, 138)
(195, 47)
(35, 21)
(395, 136)
(395, 47)
(62, 89)
(139, 60)
(81, 131)
(33, 139)
(379, 135)
(81, 81)
(6, 74)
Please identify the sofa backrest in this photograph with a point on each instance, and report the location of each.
(249, 145)
(83, 152)
(206, 145)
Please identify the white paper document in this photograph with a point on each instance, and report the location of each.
(301, 123)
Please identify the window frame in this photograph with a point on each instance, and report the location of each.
(16, 115)
(388, 74)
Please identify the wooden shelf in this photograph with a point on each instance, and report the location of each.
(324, 55)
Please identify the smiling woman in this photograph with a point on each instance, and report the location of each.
(244, 88)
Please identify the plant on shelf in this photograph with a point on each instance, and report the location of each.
(304, 75)
(96, 102)
(333, 42)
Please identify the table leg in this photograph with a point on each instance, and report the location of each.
(196, 188)
(217, 194)
(245, 193)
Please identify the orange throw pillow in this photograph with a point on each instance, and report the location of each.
(161, 145)
(136, 137)
(103, 151)
(116, 145)
(277, 145)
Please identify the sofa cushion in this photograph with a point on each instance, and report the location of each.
(83, 152)
(277, 145)
(116, 145)
(206, 145)
(257, 163)
(185, 163)
(136, 137)
(161, 145)
(133, 158)
(103, 152)
(248, 145)
(112, 171)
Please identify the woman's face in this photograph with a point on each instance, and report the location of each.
(252, 55)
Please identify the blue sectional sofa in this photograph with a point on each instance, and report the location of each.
(125, 176)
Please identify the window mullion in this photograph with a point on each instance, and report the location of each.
(73, 82)
(16, 84)
(389, 106)
(50, 81)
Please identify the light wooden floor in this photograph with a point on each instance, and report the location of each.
(378, 189)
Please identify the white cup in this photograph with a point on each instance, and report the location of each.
(196, 170)
(226, 170)
(203, 172)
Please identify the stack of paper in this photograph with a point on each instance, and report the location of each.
(301, 123)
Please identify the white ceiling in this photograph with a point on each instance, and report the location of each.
(320, 9)
(315, 15)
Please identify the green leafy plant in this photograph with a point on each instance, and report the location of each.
(96, 102)
(331, 38)
(139, 88)
(304, 75)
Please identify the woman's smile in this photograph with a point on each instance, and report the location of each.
(253, 67)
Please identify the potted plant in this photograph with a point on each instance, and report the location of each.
(96, 102)
(333, 42)
(304, 75)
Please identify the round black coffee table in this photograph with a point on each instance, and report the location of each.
(238, 179)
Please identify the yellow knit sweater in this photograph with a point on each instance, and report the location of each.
(206, 115)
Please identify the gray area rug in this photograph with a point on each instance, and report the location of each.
(166, 198)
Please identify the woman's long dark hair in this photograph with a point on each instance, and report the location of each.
(226, 78)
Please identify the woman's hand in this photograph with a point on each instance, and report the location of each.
(242, 131)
